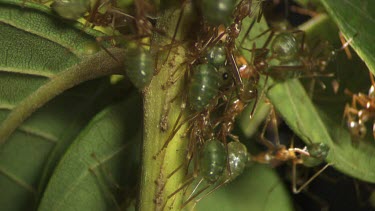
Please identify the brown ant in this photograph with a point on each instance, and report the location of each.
(311, 155)
(357, 117)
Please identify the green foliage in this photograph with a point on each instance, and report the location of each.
(355, 19)
(105, 145)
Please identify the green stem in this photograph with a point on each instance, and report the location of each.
(155, 187)
(98, 65)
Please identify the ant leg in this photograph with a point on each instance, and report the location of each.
(208, 193)
(172, 80)
(275, 126)
(294, 185)
(345, 46)
(100, 40)
(247, 32)
(260, 11)
(260, 35)
(263, 139)
(254, 106)
(185, 185)
(268, 40)
(235, 71)
(360, 99)
(184, 164)
(166, 108)
(262, 94)
(372, 79)
(175, 129)
(102, 184)
(176, 29)
(349, 111)
(303, 37)
(303, 11)
(191, 197)
(311, 88)
(234, 137)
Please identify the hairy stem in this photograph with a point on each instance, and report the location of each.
(155, 187)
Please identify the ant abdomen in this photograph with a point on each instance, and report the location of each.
(318, 153)
(71, 9)
(139, 66)
(213, 160)
(204, 86)
(238, 159)
(217, 12)
(285, 47)
(217, 55)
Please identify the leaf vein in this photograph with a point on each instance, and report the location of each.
(17, 180)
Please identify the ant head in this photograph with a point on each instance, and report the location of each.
(226, 77)
(357, 129)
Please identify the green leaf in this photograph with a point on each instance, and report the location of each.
(259, 188)
(321, 121)
(356, 19)
(40, 59)
(35, 147)
(101, 156)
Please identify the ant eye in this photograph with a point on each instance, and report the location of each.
(225, 76)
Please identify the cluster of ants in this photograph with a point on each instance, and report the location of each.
(221, 83)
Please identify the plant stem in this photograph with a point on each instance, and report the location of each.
(155, 187)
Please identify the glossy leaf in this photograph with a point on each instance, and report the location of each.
(100, 158)
(356, 19)
(259, 188)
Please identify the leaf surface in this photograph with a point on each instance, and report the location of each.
(356, 20)
(100, 158)
(259, 188)
(37, 51)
